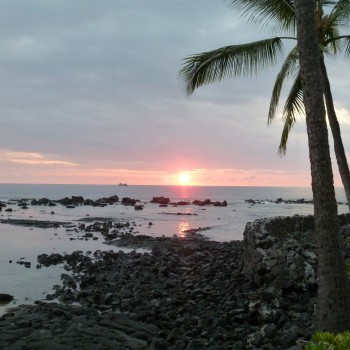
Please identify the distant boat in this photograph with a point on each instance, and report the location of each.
(121, 184)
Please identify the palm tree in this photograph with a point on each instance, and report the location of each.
(332, 307)
(249, 59)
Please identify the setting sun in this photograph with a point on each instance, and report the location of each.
(184, 178)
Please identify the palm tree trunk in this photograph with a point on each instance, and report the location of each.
(332, 306)
(337, 139)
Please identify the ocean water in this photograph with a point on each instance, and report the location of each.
(19, 243)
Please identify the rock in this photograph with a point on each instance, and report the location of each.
(26, 264)
(128, 201)
(33, 223)
(270, 255)
(103, 201)
(160, 200)
(77, 199)
(43, 201)
(5, 298)
(184, 293)
(48, 260)
(288, 338)
(183, 203)
(279, 201)
(65, 201)
(201, 203)
(90, 202)
(219, 204)
(73, 201)
(158, 344)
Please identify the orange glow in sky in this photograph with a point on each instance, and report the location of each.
(28, 167)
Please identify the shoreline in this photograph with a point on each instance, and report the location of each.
(187, 293)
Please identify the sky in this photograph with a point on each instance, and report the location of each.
(90, 93)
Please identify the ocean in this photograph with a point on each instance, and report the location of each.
(18, 243)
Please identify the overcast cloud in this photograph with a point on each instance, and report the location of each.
(90, 92)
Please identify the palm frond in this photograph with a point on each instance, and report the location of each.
(277, 14)
(288, 125)
(288, 68)
(330, 43)
(346, 45)
(229, 62)
(293, 107)
(341, 43)
(340, 14)
(325, 3)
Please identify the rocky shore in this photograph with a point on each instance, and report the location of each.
(76, 201)
(185, 293)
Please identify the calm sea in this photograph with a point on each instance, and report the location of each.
(223, 223)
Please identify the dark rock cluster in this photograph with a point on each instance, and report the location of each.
(5, 298)
(180, 203)
(66, 327)
(33, 223)
(165, 201)
(129, 201)
(74, 201)
(186, 293)
(209, 202)
(160, 200)
(279, 201)
(281, 252)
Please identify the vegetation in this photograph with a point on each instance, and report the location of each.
(249, 59)
(332, 308)
(329, 341)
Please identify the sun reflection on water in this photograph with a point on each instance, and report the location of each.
(183, 227)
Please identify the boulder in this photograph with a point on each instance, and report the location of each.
(5, 298)
(43, 201)
(160, 200)
(183, 203)
(108, 200)
(202, 203)
(128, 201)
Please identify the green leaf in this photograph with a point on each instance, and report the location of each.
(288, 68)
(230, 62)
(279, 15)
(293, 108)
(329, 341)
(340, 14)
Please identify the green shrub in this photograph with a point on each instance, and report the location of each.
(348, 268)
(329, 341)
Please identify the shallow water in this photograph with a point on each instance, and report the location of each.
(225, 223)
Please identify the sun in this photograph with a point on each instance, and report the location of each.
(184, 178)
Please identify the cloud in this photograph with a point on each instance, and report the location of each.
(30, 158)
(93, 86)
